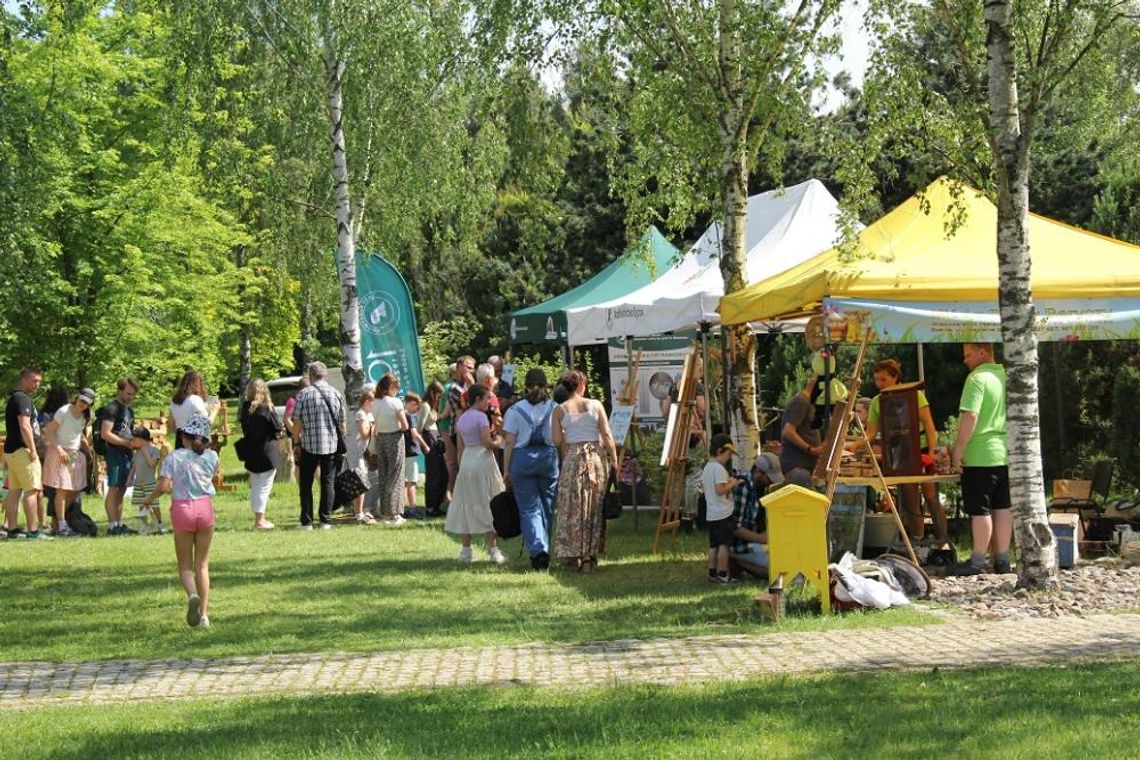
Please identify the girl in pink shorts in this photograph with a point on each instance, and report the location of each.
(188, 474)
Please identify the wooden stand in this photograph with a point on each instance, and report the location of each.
(836, 435)
(677, 458)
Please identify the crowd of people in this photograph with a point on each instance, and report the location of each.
(551, 446)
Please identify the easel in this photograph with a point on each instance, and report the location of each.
(628, 397)
(672, 500)
(828, 467)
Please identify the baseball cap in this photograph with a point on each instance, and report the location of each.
(769, 464)
(87, 395)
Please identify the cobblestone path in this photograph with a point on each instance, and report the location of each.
(958, 643)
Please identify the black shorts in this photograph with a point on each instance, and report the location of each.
(984, 489)
(721, 532)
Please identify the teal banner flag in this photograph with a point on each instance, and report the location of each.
(389, 341)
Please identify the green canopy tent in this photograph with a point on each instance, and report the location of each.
(644, 261)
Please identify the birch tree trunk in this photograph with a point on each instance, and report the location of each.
(733, 258)
(349, 332)
(1037, 565)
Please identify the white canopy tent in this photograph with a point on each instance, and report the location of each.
(782, 229)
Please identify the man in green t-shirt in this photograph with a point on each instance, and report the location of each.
(981, 453)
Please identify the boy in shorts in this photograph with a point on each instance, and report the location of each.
(144, 477)
(718, 485)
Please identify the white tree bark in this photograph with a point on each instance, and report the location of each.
(1037, 565)
(733, 259)
(349, 332)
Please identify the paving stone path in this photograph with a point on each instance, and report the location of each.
(957, 643)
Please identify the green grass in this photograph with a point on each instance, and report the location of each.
(1062, 713)
(357, 589)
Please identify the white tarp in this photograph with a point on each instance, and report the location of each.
(782, 229)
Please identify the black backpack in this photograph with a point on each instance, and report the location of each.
(99, 444)
(505, 515)
(79, 521)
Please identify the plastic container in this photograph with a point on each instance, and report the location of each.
(1066, 530)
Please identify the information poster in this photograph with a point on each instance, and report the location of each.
(620, 421)
(662, 360)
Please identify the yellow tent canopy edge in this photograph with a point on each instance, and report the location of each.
(915, 253)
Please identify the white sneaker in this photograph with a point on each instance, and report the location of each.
(304, 527)
(203, 623)
(144, 514)
(497, 555)
(395, 522)
(64, 531)
(465, 555)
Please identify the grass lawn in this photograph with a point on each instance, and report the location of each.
(1062, 713)
(355, 589)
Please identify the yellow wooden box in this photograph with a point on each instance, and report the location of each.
(797, 537)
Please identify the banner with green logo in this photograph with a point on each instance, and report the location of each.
(388, 337)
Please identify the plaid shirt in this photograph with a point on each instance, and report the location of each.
(318, 427)
(747, 512)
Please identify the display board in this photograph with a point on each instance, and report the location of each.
(662, 359)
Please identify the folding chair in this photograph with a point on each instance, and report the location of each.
(1097, 501)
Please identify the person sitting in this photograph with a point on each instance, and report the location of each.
(750, 544)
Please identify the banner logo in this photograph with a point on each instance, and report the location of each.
(379, 312)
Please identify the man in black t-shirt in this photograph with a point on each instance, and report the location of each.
(115, 422)
(800, 443)
(25, 471)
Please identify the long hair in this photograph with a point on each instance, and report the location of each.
(257, 394)
(537, 388)
(190, 385)
(433, 394)
(57, 397)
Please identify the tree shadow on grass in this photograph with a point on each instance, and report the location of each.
(978, 713)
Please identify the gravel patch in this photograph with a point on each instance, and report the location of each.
(1088, 589)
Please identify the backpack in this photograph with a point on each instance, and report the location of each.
(505, 515)
(99, 444)
(79, 521)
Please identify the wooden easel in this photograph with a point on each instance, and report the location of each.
(672, 500)
(828, 467)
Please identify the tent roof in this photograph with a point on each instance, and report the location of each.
(907, 256)
(628, 272)
(782, 228)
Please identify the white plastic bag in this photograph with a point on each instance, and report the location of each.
(865, 591)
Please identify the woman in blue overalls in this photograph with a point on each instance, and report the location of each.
(531, 464)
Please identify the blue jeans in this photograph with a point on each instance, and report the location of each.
(534, 478)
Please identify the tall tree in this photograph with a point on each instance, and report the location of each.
(1012, 59)
(715, 86)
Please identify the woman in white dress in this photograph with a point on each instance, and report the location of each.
(478, 480)
(65, 463)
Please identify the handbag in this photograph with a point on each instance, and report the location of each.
(241, 448)
(611, 502)
(347, 486)
(341, 443)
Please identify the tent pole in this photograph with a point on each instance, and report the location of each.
(628, 382)
(705, 365)
(724, 349)
(921, 365)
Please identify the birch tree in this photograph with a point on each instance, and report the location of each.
(716, 85)
(1011, 60)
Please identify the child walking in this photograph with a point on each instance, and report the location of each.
(188, 474)
(144, 478)
(718, 484)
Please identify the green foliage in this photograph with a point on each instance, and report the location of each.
(442, 342)
(1125, 441)
(526, 362)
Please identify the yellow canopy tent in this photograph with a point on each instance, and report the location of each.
(912, 280)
